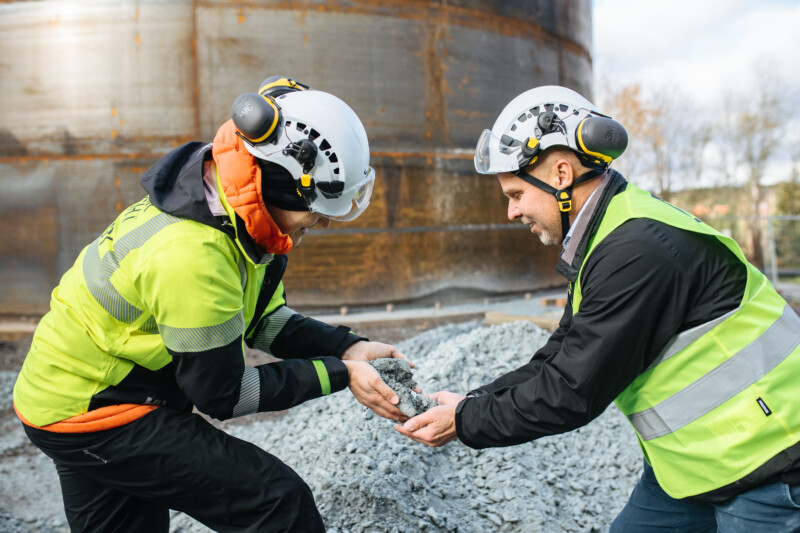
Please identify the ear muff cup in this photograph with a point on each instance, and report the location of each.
(256, 117)
(602, 138)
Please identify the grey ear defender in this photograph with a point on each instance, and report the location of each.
(256, 117)
(602, 138)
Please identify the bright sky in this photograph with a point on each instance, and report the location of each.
(701, 48)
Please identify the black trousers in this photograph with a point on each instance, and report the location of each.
(128, 478)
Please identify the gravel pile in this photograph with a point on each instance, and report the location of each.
(366, 477)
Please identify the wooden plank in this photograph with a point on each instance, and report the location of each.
(14, 330)
(553, 302)
(550, 323)
(371, 320)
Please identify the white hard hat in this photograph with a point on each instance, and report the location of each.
(318, 139)
(544, 117)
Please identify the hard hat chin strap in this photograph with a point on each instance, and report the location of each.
(563, 196)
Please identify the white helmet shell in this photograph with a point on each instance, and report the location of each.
(537, 119)
(341, 177)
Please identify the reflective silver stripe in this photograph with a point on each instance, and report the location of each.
(685, 338)
(149, 325)
(201, 339)
(273, 324)
(138, 236)
(749, 365)
(98, 271)
(250, 393)
(97, 274)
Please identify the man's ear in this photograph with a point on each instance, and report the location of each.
(564, 173)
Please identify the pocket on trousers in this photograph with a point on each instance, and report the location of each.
(793, 495)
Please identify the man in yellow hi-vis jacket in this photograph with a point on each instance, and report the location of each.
(154, 316)
(665, 317)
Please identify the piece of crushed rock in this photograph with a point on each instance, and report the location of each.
(397, 374)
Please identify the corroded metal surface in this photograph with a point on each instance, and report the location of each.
(94, 92)
(412, 243)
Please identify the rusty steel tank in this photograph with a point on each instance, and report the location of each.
(92, 93)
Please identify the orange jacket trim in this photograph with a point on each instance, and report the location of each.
(240, 177)
(108, 417)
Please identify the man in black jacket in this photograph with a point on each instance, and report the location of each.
(656, 299)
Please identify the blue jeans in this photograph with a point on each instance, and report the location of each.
(773, 508)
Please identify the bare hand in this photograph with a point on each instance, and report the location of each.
(369, 351)
(435, 427)
(370, 390)
(446, 398)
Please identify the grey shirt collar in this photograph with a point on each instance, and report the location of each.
(578, 229)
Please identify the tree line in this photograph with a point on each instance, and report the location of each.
(677, 144)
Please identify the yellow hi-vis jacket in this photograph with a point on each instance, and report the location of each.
(721, 398)
(155, 310)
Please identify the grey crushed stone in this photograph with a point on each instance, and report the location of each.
(397, 374)
(368, 478)
(575, 482)
(30, 497)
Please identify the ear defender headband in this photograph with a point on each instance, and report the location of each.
(599, 139)
(274, 86)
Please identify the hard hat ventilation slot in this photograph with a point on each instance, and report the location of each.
(509, 141)
(300, 127)
(313, 134)
(332, 158)
(324, 145)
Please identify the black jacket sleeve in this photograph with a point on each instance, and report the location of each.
(285, 384)
(643, 284)
(212, 380)
(304, 337)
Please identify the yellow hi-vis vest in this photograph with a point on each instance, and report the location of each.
(721, 399)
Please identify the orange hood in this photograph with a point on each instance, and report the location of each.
(240, 177)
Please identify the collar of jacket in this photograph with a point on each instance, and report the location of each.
(240, 180)
(175, 184)
(573, 254)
